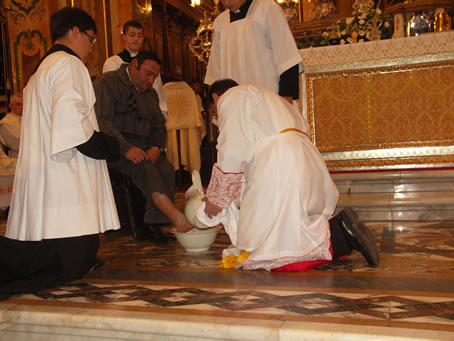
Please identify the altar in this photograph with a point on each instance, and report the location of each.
(383, 105)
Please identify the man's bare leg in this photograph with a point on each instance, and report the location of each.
(165, 205)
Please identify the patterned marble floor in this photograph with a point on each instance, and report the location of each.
(181, 296)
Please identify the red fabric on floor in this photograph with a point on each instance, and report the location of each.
(308, 264)
(300, 266)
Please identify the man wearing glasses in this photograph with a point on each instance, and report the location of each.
(91, 38)
(62, 196)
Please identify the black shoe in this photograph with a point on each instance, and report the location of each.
(359, 236)
(98, 264)
(150, 233)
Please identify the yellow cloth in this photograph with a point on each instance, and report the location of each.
(231, 261)
(185, 117)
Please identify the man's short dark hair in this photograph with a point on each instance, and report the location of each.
(220, 86)
(65, 19)
(146, 55)
(196, 81)
(131, 23)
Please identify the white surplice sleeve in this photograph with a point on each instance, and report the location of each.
(283, 46)
(72, 105)
(235, 147)
(214, 70)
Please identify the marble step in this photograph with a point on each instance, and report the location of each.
(392, 196)
(414, 206)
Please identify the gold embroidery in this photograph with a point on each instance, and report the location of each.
(383, 116)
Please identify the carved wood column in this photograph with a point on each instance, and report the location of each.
(165, 37)
(344, 8)
(184, 62)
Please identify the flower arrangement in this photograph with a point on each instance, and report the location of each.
(363, 26)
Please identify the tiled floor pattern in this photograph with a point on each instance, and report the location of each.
(279, 303)
(412, 288)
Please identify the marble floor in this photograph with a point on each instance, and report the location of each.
(148, 291)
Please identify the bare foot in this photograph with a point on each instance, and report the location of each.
(183, 225)
(185, 228)
(177, 217)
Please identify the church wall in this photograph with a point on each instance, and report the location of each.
(171, 37)
(158, 33)
(29, 36)
(175, 51)
(99, 54)
(166, 34)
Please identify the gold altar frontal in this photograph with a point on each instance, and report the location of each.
(382, 105)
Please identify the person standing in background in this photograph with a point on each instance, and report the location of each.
(253, 44)
(133, 37)
(196, 85)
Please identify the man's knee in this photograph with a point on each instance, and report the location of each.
(166, 166)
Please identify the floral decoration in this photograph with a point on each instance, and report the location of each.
(365, 25)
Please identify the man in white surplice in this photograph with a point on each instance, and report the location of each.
(62, 197)
(287, 195)
(253, 44)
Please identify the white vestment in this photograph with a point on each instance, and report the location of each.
(185, 117)
(10, 129)
(113, 63)
(254, 50)
(59, 192)
(288, 195)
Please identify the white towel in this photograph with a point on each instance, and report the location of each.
(228, 217)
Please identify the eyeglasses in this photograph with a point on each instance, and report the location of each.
(90, 38)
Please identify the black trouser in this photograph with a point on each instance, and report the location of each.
(150, 177)
(28, 266)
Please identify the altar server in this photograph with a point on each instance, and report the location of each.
(253, 44)
(62, 197)
(133, 37)
(287, 196)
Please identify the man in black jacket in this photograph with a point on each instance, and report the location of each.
(127, 107)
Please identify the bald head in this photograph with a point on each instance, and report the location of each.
(15, 104)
